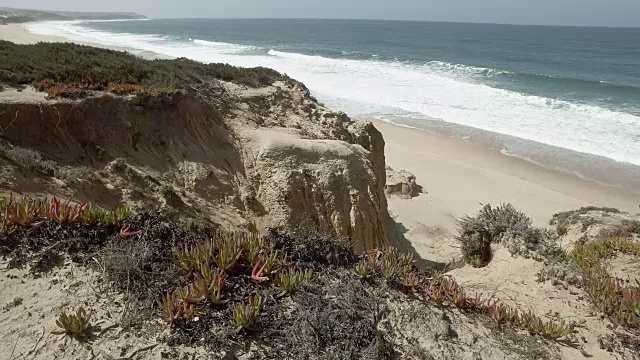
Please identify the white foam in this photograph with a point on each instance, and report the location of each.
(225, 48)
(434, 90)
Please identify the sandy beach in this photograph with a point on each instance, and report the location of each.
(459, 175)
(18, 34)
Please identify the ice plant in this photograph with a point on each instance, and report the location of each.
(125, 231)
(252, 248)
(366, 267)
(245, 315)
(208, 286)
(194, 257)
(258, 272)
(289, 280)
(75, 325)
(64, 213)
(171, 309)
(228, 251)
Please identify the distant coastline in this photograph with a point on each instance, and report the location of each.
(18, 16)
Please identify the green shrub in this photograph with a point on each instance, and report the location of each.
(502, 224)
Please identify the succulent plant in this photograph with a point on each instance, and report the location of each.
(245, 316)
(366, 268)
(289, 280)
(228, 247)
(75, 325)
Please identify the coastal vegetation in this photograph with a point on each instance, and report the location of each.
(584, 266)
(502, 224)
(71, 70)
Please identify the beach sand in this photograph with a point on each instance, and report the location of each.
(18, 34)
(459, 175)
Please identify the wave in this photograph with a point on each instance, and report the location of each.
(464, 70)
(433, 90)
(226, 47)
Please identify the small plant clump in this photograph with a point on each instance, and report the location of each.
(75, 325)
(26, 210)
(245, 316)
(289, 280)
(175, 309)
(502, 224)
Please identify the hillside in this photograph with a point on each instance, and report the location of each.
(12, 15)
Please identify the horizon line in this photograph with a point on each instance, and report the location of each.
(393, 20)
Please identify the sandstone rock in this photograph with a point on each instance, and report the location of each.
(401, 183)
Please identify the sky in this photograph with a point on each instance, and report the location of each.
(539, 12)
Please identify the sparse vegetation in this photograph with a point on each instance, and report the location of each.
(631, 226)
(27, 158)
(72, 175)
(503, 224)
(444, 290)
(586, 266)
(615, 297)
(563, 220)
(71, 70)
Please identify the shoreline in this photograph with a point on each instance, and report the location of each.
(19, 34)
(458, 174)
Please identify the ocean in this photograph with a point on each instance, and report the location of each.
(567, 98)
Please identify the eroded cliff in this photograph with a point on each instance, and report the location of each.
(235, 156)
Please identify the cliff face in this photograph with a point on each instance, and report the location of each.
(247, 158)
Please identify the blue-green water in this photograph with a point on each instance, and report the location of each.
(570, 87)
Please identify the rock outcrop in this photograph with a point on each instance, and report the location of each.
(402, 183)
(238, 157)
